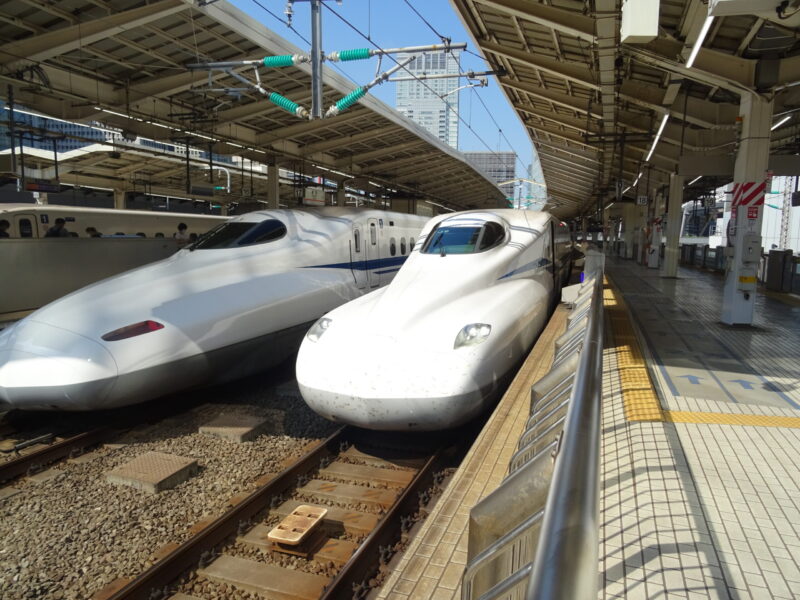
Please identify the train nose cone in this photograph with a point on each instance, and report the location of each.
(46, 367)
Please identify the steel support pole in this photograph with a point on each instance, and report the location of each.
(21, 180)
(273, 184)
(188, 170)
(11, 136)
(752, 159)
(55, 159)
(316, 59)
(674, 214)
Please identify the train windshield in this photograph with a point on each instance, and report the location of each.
(240, 233)
(463, 239)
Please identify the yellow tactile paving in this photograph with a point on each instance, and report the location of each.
(707, 418)
(640, 397)
(641, 400)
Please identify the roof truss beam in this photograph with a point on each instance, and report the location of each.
(564, 21)
(42, 47)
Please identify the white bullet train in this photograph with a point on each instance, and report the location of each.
(433, 349)
(237, 301)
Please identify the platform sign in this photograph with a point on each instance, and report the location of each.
(641, 200)
(42, 186)
(752, 212)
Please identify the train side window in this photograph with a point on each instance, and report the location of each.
(392, 246)
(373, 234)
(25, 228)
(411, 244)
(403, 246)
(159, 234)
(357, 240)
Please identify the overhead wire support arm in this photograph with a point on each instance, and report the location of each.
(282, 60)
(354, 96)
(274, 97)
(469, 75)
(364, 53)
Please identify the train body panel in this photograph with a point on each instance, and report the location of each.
(33, 220)
(412, 372)
(219, 311)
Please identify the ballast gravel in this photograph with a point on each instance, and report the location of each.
(70, 536)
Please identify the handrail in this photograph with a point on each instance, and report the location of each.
(565, 566)
(553, 473)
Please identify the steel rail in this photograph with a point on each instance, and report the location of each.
(28, 462)
(565, 567)
(192, 551)
(363, 561)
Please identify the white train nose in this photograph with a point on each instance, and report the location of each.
(42, 365)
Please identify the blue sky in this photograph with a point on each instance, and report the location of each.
(392, 24)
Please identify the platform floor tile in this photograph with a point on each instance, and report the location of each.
(432, 566)
(694, 355)
(703, 509)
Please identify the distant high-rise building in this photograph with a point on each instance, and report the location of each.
(430, 102)
(500, 166)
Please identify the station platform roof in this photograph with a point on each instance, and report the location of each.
(122, 63)
(593, 105)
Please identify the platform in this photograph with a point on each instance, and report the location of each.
(701, 431)
(701, 500)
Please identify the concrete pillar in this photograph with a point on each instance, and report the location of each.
(273, 185)
(672, 250)
(340, 192)
(119, 199)
(223, 210)
(628, 227)
(752, 159)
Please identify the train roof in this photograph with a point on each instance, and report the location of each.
(513, 216)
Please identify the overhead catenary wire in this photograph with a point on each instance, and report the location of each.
(429, 88)
(438, 34)
(301, 36)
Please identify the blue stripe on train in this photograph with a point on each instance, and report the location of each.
(540, 262)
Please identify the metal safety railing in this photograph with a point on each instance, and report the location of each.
(536, 536)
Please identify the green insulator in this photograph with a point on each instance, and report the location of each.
(355, 54)
(283, 102)
(285, 60)
(351, 99)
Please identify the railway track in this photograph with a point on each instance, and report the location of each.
(372, 487)
(49, 449)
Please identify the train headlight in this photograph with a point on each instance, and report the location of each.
(320, 327)
(472, 335)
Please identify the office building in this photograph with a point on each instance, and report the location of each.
(431, 103)
(499, 166)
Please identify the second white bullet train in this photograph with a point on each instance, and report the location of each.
(237, 301)
(432, 349)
